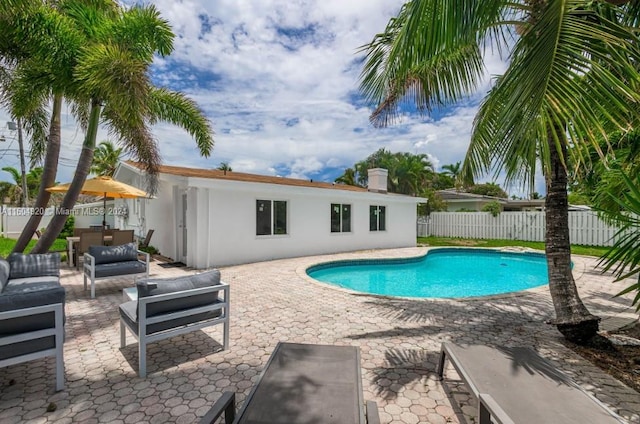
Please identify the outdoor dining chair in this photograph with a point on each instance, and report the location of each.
(147, 239)
(120, 237)
(87, 238)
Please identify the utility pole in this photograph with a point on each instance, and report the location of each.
(23, 172)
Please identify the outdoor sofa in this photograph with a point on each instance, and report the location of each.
(167, 307)
(32, 310)
(112, 261)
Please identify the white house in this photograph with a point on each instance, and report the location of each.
(208, 218)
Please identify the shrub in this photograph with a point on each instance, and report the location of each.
(150, 250)
(493, 208)
(67, 230)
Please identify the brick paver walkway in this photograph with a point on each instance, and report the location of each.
(275, 301)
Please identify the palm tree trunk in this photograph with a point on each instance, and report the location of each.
(79, 177)
(50, 168)
(573, 319)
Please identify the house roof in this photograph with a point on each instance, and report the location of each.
(240, 176)
(453, 195)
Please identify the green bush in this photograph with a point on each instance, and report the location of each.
(67, 230)
(150, 250)
(493, 207)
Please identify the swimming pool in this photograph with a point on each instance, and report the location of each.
(443, 273)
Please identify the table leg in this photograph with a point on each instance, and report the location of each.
(70, 253)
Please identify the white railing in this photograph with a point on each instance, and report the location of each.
(585, 228)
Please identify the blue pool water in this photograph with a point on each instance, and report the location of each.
(451, 273)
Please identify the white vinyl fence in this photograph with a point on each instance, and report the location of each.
(585, 227)
(13, 220)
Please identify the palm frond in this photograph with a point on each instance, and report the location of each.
(430, 54)
(561, 83)
(178, 109)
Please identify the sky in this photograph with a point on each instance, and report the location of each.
(278, 80)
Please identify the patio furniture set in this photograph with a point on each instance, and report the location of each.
(300, 383)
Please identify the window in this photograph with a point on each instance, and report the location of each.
(340, 218)
(377, 218)
(271, 217)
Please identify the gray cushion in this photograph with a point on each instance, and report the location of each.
(120, 268)
(128, 312)
(33, 265)
(4, 273)
(112, 254)
(29, 295)
(153, 287)
(30, 346)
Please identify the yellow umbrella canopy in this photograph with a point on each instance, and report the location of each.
(103, 186)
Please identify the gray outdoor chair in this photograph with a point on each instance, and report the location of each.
(169, 307)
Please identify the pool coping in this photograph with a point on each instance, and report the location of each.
(579, 268)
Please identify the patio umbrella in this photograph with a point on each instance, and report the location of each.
(103, 186)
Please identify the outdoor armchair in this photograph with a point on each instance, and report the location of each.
(112, 261)
(172, 306)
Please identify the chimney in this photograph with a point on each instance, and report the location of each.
(377, 180)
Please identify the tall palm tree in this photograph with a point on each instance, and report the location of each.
(348, 177)
(224, 166)
(572, 77)
(106, 158)
(110, 73)
(36, 60)
(33, 178)
(412, 172)
(15, 192)
(452, 170)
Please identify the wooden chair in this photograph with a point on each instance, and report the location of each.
(147, 239)
(121, 237)
(87, 238)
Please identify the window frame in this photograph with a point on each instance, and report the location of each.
(273, 217)
(341, 220)
(377, 212)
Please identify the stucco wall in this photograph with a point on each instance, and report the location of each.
(221, 220)
(228, 235)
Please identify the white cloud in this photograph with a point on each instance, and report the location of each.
(277, 79)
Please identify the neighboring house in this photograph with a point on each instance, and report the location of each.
(458, 200)
(208, 218)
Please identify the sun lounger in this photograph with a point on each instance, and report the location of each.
(516, 385)
(303, 383)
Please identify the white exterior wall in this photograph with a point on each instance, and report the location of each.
(156, 214)
(221, 220)
(225, 227)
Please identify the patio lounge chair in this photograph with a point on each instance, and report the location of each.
(516, 385)
(303, 383)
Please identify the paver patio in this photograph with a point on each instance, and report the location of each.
(275, 301)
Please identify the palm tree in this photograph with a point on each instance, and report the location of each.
(348, 177)
(109, 82)
(15, 192)
(452, 170)
(33, 178)
(412, 173)
(572, 77)
(224, 166)
(36, 80)
(105, 159)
